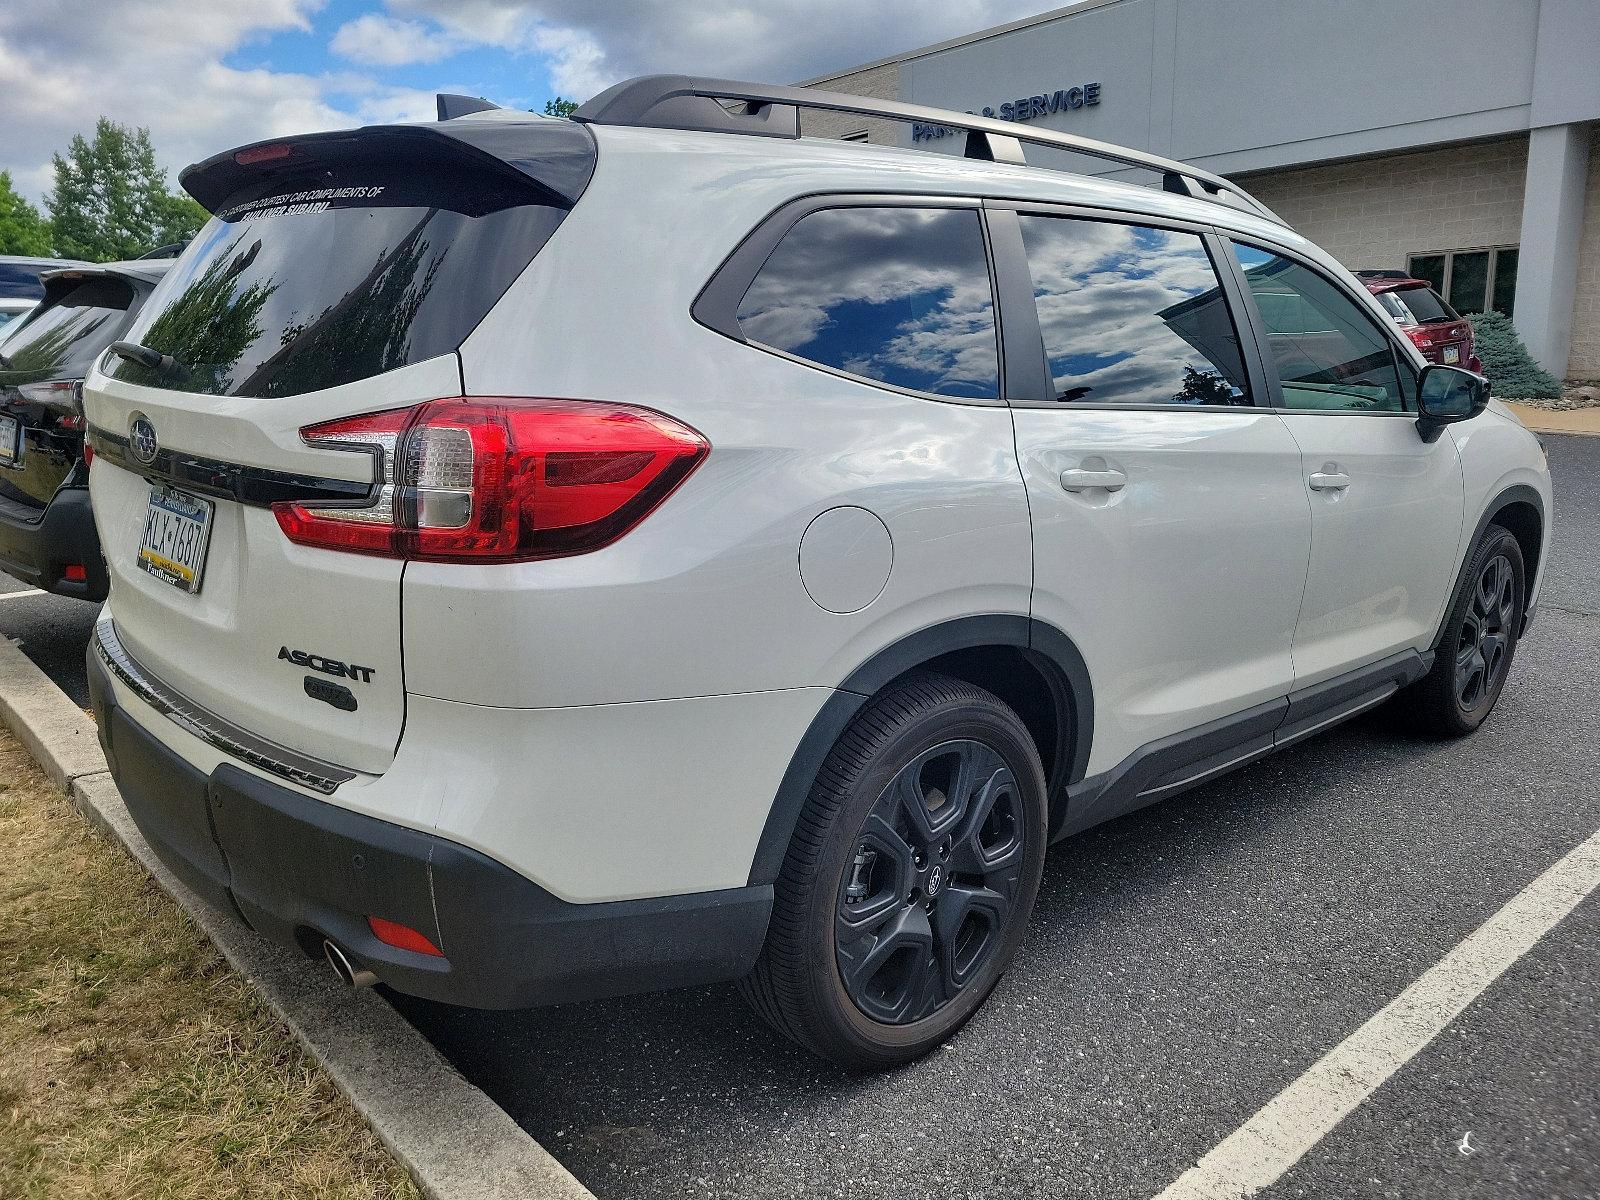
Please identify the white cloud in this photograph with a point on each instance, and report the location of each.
(387, 42)
(588, 45)
(156, 63)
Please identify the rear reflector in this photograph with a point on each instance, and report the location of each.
(75, 573)
(499, 479)
(402, 937)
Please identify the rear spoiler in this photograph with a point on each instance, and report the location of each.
(555, 157)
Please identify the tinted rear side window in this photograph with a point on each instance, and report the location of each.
(1132, 315)
(62, 338)
(894, 295)
(385, 262)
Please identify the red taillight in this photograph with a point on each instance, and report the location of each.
(499, 479)
(402, 937)
(88, 453)
(75, 573)
(268, 153)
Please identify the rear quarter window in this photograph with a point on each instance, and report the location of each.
(890, 294)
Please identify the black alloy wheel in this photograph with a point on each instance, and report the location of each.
(1475, 648)
(930, 889)
(910, 877)
(1483, 650)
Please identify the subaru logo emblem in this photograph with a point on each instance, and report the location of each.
(935, 880)
(142, 439)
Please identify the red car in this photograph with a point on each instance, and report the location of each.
(1439, 331)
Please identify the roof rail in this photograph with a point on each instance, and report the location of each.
(772, 110)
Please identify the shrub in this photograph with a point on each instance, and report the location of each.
(1511, 370)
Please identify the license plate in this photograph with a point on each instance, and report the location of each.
(1452, 354)
(10, 441)
(177, 528)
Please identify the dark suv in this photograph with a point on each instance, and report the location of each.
(47, 533)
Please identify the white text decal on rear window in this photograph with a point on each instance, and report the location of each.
(316, 200)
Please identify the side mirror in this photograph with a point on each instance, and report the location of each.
(1448, 394)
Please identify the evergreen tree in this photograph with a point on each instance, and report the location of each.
(22, 229)
(1512, 372)
(110, 199)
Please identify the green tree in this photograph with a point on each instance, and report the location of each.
(22, 229)
(560, 108)
(1512, 371)
(110, 199)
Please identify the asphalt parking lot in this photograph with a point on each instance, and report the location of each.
(1184, 965)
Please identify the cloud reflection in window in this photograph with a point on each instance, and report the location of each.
(898, 295)
(1132, 315)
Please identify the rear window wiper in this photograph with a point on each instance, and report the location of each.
(162, 364)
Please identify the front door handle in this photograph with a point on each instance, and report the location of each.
(1329, 481)
(1080, 480)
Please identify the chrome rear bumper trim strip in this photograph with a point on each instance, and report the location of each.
(208, 727)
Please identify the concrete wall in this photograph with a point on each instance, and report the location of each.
(1373, 212)
(1585, 361)
(880, 83)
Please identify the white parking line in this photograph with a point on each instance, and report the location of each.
(1297, 1118)
(24, 592)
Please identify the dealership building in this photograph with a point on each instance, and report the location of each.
(1457, 141)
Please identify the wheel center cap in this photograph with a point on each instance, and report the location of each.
(935, 880)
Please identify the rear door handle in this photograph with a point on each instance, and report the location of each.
(1329, 481)
(1079, 480)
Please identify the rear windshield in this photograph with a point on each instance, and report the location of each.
(1417, 306)
(365, 264)
(63, 337)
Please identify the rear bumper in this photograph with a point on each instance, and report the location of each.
(38, 548)
(299, 870)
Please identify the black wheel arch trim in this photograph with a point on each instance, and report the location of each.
(1516, 493)
(1057, 656)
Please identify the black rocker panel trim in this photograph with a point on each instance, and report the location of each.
(1519, 492)
(1177, 763)
(1048, 647)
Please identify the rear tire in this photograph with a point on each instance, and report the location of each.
(910, 878)
(1479, 641)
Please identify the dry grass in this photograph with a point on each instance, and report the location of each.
(133, 1062)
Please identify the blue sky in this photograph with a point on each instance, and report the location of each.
(204, 75)
(512, 78)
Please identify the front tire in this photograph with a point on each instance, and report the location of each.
(909, 882)
(1480, 639)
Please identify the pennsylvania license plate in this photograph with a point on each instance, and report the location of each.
(1452, 354)
(177, 528)
(10, 441)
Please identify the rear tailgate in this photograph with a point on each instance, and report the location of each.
(339, 278)
(268, 615)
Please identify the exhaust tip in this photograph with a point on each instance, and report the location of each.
(349, 974)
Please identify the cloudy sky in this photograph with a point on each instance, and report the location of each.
(203, 75)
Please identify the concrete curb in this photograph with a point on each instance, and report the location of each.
(454, 1140)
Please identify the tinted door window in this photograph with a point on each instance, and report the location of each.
(1329, 352)
(896, 295)
(1132, 315)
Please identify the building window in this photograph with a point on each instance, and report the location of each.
(1472, 280)
(855, 135)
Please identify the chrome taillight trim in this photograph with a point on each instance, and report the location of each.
(208, 727)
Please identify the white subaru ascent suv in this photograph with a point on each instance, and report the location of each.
(557, 558)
